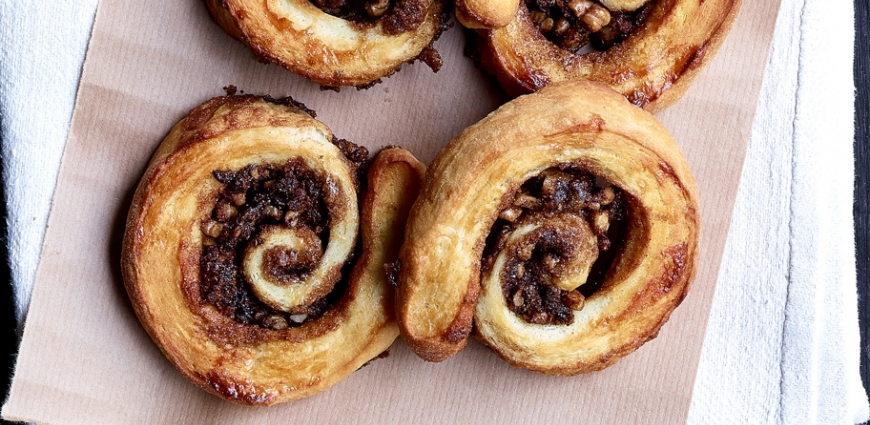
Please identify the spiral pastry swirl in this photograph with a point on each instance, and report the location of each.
(651, 51)
(563, 228)
(242, 254)
(336, 42)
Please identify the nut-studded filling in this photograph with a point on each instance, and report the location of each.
(560, 233)
(355, 10)
(251, 202)
(573, 24)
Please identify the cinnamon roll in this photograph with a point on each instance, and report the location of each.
(562, 229)
(336, 42)
(242, 254)
(651, 51)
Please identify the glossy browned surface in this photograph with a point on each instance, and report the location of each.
(652, 68)
(247, 362)
(329, 50)
(586, 125)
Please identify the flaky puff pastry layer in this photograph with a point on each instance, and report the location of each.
(653, 67)
(163, 244)
(486, 13)
(326, 49)
(474, 177)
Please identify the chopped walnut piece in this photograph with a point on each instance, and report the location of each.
(579, 7)
(561, 26)
(510, 214)
(527, 201)
(212, 228)
(596, 18)
(239, 199)
(274, 212)
(518, 298)
(601, 221)
(574, 300)
(275, 322)
(225, 211)
(607, 196)
(525, 252)
(520, 271)
(377, 8)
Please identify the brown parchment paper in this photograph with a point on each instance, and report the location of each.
(85, 359)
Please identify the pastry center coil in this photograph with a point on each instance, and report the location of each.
(552, 244)
(600, 24)
(277, 242)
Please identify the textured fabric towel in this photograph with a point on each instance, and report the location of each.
(782, 345)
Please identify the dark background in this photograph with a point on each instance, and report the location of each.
(861, 210)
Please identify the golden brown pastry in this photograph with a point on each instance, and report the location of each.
(651, 51)
(563, 228)
(486, 13)
(239, 242)
(336, 42)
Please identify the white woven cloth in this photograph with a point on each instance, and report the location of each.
(782, 346)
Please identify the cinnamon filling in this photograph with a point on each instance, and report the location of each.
(354, 10)
(250, 202)
(401, 15)
(560, 233)
(573, 24)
